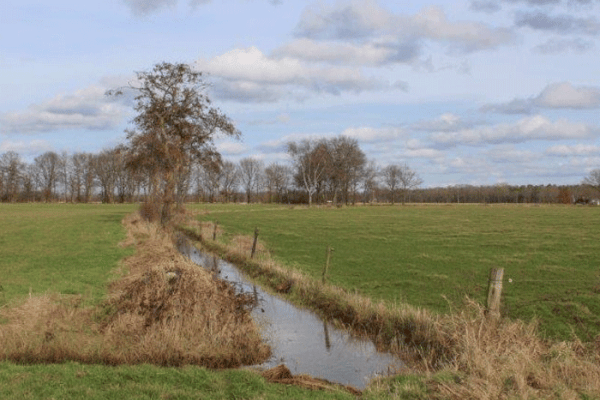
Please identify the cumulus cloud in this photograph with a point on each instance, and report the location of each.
(446, 122)
(378, 52)
(145, 7)
(573, 150)
(367, 20)
(87, 108)
(25, 148)
(485, 6)
(372, 135)
(250, 75)
(565, 95)
(527, 129)
(555, 46)
(142, 8)
(561, 24)
(230, 148)
(555, 95)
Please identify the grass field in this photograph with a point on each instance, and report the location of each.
(433, 256)
(68, 249)
(73, 250)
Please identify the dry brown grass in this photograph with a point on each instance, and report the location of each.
(165, 311)
(507, 359)
(480, 359)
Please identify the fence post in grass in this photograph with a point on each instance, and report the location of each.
(326, 268)
(494, 292)
(254, 244)
(215, 230)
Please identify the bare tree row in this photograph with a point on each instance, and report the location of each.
(321, 171)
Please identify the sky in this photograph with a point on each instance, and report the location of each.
(471, 92)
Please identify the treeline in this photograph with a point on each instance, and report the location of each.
(327, 171)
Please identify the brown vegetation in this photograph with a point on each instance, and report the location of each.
(165, 311)
(462, 355)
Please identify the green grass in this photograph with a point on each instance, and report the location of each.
(434, 255)
(77, 381)
(59, 248)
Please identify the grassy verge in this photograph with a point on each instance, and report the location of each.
(80, 381)
(462, 353)
(432, 256)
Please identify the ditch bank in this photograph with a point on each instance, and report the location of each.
(298, 338)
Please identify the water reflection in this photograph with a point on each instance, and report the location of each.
(301, 340)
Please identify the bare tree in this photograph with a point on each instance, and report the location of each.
(175, 126)
(106, 165)
(310, 162)
(369, 181)
(408, 181)
(229, 179)
(11, 169)
(593, 179)
(277, 178)
(391, 179)
(48, 167)
(250, 170)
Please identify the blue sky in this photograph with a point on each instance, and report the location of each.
(464, 92)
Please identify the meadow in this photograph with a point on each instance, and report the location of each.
(71, 254)
(433, 256)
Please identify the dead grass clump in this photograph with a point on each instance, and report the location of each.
(167, 311)
(281, 374)
(507, 359)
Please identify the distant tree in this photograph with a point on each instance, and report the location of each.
(310, 159)
(106, 166)
(250, 170)
(277, 178)
(408, 180)
(11, 175)
(346, 164)
(369, 181)
(175, 126)
(229, 179)
(48, 165)
(391, 179)
(593, 179)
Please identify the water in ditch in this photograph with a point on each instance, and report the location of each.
(301, 340)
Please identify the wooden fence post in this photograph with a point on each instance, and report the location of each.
(326, 268)
(254, 244)
(215, 230)
(494, 292)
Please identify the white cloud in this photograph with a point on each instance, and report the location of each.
(230, 148)
(371, 135)
(362, 20)
(146, 7)
(527, 129)
(26, 148)
(555, 46)
(565, 95)
(375, 53)
(554, 95)
(574, 150)
(249, 75)
(446, 122)
(87, 108)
